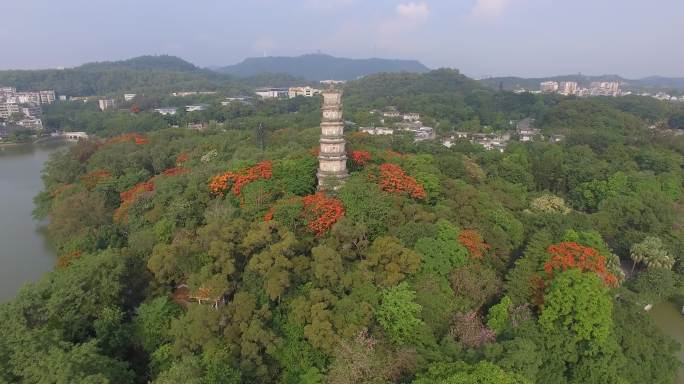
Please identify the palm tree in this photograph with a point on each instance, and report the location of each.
(651, 252)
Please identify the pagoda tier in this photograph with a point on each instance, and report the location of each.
(332, 169)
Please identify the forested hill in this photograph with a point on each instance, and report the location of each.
(316, 67)
(141, 74)
(147, 62)
(653, 83)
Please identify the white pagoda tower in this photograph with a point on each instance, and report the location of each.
(332, 160)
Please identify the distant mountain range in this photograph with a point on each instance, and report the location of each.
(315, 67)
(653, 83)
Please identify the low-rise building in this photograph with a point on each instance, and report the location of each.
(166, 111)
(272, 93)
(377, 130)
(195, 108)
(411, 117)
(302, 91)
(526, 130)
(105, 104)
(197, 126)
(129, 96)
(192, 93)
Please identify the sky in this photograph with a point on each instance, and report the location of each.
(632, 38)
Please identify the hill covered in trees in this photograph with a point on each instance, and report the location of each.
(209, 257)
(315, 67)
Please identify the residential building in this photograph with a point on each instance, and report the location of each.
(567, 88)
(62, 98)
(605, 88)
(47, 97)
(129, 96)
(302, 91)
(377, 130)
(105, 104)
(332, 82)
(192, 93)
(411, 117)
(166, 111)
(31, 111)
(32, 124)
(8, 109)
(548, 87)
(195, 108)
(272, 93)
(197, 126)
(424, 133)
(526, 130)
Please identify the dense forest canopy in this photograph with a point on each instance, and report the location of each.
(209, 257)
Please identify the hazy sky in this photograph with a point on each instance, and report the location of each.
(480, 37)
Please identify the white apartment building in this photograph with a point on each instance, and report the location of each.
(548, 86)
(567, 88)
(8, 109)
(129, 96)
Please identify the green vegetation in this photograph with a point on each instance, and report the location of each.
(207, 257)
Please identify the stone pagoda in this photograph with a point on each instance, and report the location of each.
(332, 160)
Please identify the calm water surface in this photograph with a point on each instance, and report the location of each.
(669, 318)
(25, 254)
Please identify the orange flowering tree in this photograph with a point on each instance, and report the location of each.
(182, 159)
(129, 197)
(66, 259)
(129, 137)
(321, 212)
(569, 255)
(361, 157)
(92, 179)
(473, 241)
(393, 179)
(235, 181)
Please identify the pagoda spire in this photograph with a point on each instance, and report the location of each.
(332, 160)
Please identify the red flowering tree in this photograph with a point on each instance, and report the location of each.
(568, 255)
(393, 179)
(129, 137)
(361, 157)
(473, 241)
(129, 197)
(321, 212)
(135, 108)
(182, 159)
(235, 181)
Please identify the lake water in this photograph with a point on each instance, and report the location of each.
(669, 318)
(25, 255)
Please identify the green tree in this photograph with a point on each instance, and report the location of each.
(398, 314)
